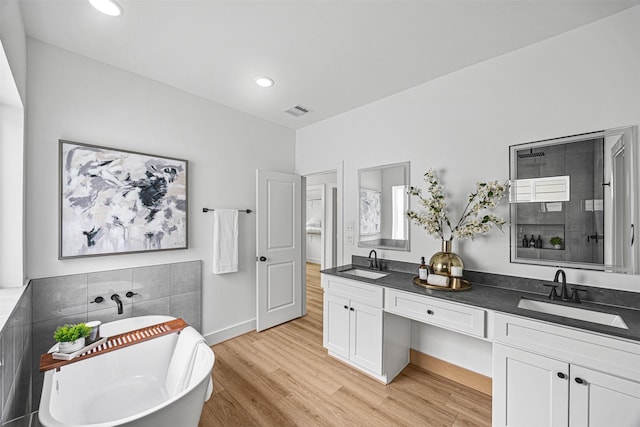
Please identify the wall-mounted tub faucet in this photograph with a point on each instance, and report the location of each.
(116, 298)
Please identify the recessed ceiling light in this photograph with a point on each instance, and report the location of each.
(264, 81)
(108, 7)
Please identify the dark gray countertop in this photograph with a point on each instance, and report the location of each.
(504, 300)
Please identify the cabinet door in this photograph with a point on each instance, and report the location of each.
(336, 325)
(366, 337)
(529, 390)
(602, 400)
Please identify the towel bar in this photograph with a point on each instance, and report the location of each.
(205, 210)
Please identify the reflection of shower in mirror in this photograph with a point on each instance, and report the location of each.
(524, 155)
(584, 189)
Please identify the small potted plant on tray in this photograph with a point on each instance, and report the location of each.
(71, 337)
(556, 241)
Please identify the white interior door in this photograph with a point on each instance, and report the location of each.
(279, 248)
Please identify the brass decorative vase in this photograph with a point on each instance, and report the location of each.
(441, 262)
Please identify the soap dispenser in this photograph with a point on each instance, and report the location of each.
(423, 271)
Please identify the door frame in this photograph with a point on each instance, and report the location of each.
(339, 171)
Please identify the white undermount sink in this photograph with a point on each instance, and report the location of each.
(364, 273)
(573, 312)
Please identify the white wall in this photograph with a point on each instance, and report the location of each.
(12, 191)
(463, 123)
(75, 98)
(13, 77)
(14, 42)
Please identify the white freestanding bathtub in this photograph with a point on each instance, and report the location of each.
(143, 385)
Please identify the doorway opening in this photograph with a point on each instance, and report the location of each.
(321, 219)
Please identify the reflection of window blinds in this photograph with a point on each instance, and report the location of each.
(314, 194)
(547, 189)
(398, 209)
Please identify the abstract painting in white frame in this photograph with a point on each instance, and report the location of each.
(369, 212)
(116, 201)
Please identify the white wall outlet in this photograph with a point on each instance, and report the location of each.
(349, 226)
(349, 238)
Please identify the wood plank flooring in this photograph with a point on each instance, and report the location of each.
(284, 377)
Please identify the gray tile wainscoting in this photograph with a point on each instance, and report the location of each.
(25, 421)
(15, 359)
(170, 289)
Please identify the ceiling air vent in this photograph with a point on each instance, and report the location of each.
(298, 111)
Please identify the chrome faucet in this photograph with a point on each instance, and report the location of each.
(373, 263)
(116, 298)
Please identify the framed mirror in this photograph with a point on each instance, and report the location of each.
(574, 201)
(382, 203)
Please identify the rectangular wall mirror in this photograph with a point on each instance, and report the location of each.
(574, 201)
(382, 204)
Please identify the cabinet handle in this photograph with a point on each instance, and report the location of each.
(430, 312)
(580, 380)
(346, 307)
(352, 309)
(561, 375)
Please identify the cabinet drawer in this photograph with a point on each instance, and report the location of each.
(458, 317)
(592, 350)
(371, 295)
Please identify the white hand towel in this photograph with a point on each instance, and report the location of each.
(182, 361)
(225, 241)
(437, 280)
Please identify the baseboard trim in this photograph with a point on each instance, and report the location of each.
(231, 332)
(453, 372)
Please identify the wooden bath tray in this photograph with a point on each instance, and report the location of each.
(465, 286)
(116, 342)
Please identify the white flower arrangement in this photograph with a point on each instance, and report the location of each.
(472, 222)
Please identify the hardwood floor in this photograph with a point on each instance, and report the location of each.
(284, 377)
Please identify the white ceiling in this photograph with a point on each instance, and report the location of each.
(329, 56)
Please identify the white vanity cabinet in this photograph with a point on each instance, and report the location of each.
(353, 331)
(357, 331)
(548, 375)
(602, 400)
(527, 390)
